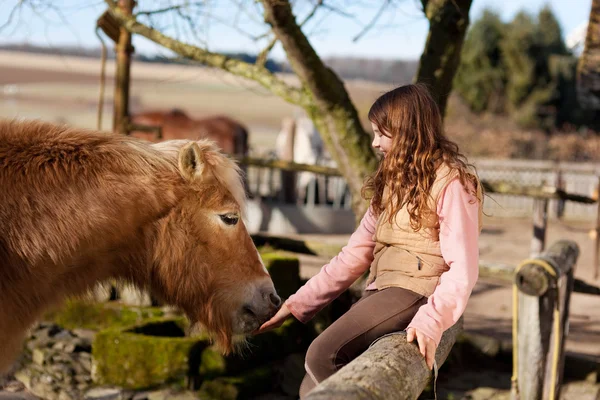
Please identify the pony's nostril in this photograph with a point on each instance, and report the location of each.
(275, 300)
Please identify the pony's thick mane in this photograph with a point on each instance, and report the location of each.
(226, 170)
(22, 134)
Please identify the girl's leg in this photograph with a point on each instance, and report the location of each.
(384, 311)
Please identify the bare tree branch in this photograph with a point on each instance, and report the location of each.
(372, 23)
(263, 55)
(215, 60)
(165, 9)
(312, 13)
(12, 15)
(261, 59)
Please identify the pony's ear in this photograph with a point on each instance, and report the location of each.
(191, 161)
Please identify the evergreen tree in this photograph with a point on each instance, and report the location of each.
(481, 78)
(522, 68)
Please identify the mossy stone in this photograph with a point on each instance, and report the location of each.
(285, 272)
(139, 357)
(87, 314)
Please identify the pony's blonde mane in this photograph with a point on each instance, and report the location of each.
(226, 170)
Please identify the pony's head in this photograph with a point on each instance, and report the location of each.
(205, 261)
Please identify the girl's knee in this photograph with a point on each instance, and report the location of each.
(320, 358)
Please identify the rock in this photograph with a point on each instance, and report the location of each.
(87, 334)
(24, 377)
(82, 314)
(17, 396)
(170, 395)
(38, 356)
(14, 386)
(106, 393)
(284, 271)
(59, 346)
(66, 395)
(141, 396)
(131, 359)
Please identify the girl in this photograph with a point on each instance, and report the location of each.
(419, 237)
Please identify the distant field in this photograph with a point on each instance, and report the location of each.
(66, 89)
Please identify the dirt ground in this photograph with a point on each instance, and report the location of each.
(507, 241)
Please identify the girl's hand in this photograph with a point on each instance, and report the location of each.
(426, 345)
(276, 321)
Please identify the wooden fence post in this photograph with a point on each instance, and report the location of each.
(540, 222)
(543, 287)
(122, 78)
(559, 183)
(288, 178)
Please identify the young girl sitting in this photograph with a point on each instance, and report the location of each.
(419, 237)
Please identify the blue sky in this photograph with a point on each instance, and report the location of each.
(401, 33)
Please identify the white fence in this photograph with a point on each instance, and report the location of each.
(578, 178)
(318, 196)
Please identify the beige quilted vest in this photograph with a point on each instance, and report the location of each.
(408, 259)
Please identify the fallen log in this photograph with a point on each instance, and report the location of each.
(390, 369)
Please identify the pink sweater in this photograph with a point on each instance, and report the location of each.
(458, 213)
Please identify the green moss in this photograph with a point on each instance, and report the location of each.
(212, 363)
(92, 315)
(268, 244)
(137, 358)
(284, 271)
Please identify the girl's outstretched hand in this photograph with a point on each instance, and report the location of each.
(426, 345)
(276, 321)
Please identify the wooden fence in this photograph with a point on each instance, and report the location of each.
(266, 180)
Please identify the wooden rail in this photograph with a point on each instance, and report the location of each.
(500, 187)
(391, 369)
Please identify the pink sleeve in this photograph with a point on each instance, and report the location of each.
(338, 275)
(459, 240)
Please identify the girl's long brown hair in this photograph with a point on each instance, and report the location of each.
(411, 117)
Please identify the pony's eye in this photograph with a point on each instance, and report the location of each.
(229, 219)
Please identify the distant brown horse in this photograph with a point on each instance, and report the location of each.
(79, 207)
(229, 135)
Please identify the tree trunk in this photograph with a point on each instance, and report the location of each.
(328, 103)
(448, 22)
(122, 78)
(588, 68)
(391, 369)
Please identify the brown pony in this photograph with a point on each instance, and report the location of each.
(229, 135)
(79, 207)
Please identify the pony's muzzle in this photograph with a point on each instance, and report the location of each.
(263, 304)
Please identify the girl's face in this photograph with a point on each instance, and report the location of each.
(381, 140)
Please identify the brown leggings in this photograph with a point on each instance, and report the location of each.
(374, 315)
